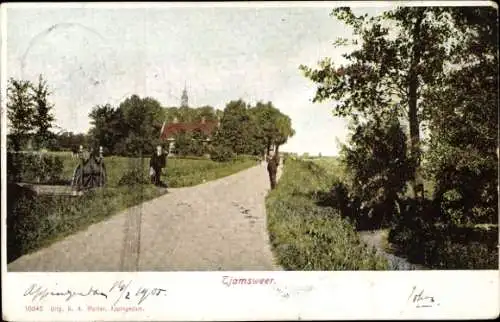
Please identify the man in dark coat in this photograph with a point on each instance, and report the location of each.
(272, 168)
(156, 163)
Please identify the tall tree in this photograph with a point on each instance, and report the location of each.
(106, 124)
(401, 53)
(275, 127)
(235, 130)
(141, 115)
(376, 162)
(20, 111)
(285, 131)
(43, 117)
(463, 109)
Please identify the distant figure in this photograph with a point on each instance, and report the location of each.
(156, 163)
(272, 168)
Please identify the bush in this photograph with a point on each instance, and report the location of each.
(425, 237)
(222, 154)
(34, 168)
(134, 176)
(378, 168)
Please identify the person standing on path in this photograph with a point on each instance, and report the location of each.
(272, 168)
(156, 163)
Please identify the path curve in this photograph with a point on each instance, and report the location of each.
(219, 225)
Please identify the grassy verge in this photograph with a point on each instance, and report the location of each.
(305, 236)
(180, 172)
(34, 221)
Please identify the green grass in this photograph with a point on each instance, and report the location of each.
(36, 222)
(180, 172)
(305, 236)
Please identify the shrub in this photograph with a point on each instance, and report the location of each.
(34, 168)
(425, 237)
(222, 153)
(378, 167)
(135, 176)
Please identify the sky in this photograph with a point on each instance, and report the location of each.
(93, 56)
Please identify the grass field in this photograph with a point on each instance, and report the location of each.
(180, 172)
(306, 236)
(34, 222)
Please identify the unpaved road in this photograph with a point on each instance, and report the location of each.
(219, 225)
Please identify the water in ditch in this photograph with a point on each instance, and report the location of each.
(376, 239)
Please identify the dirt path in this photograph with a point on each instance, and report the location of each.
(219, 225)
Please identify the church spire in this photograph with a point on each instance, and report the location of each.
(184, 97)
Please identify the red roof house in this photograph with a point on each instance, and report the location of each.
(206, 127)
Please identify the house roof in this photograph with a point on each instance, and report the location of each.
(207, 128)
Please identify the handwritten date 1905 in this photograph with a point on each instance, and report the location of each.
(142, 293)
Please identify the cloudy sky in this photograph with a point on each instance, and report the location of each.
(93, 56)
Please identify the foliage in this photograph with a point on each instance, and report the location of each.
(68, 141)
(135, 126)
(437, 69)
(130, 129)
(222, 153)
(272, 126)
(43, 119)
(29, 112)
(188, 114)
(236, 128)
(462, 157)
(20, 111)
(187, 143)
(401, 52)
(135, 176)
(423, 235)
(36, 222)
(34, 168)
(377, 163)
(108, 129)
(306, 236)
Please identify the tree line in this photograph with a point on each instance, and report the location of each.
(133, 127)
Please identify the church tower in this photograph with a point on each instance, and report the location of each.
(184, 97)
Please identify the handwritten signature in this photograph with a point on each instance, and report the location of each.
(420, 299)
(120, 290)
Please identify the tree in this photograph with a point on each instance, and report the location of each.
(43, 118)
(401, 53)
(140, 116)
(285, 131)
(235, 128)
(206, 112)
(69, 140)
(20, 111)
(274, 127)
(376, 161)
(183, 143)
(463, 109)
(108, 128)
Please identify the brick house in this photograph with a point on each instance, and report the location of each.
(169, 131)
